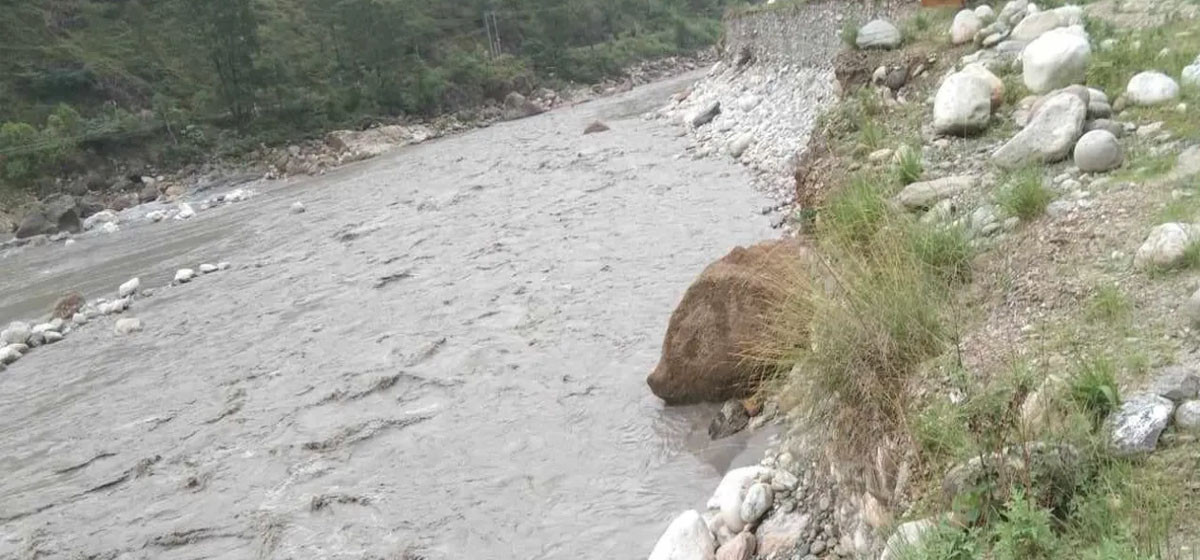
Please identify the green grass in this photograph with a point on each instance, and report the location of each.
(853, 214)
(1094, 388)
(1109, 305)
(1025, 531)
(909, 166)
(1023, 194)
(849, 33)
(945, 249)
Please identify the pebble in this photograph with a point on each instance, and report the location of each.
(68, 243)
(223, 266)
(298, 207)
(110, 227)
(185, 212)
(184, 275)
(207, 268)
(758, 500)
(128, 325)
(156, 216)
(52, 337)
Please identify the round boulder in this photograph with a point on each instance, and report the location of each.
(962, 105)
(966, 24)
(878, 34)
(1098, 150)
(1187, 416)
(1056, 59)
(1151, 88)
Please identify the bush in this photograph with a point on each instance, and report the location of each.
(1094, 388)
(945, 249)
(909, 167)
(849, 33)
(856, 212)
(1025, 532)
(1024, 194)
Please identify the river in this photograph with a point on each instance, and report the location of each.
(443, 358)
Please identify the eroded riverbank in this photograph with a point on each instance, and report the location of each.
(444, 355)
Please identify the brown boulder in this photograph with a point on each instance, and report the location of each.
(723, 312)
(67, 306)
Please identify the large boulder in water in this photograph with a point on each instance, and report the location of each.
(721, 313)
(516, 106)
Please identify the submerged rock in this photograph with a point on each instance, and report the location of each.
(128, 325)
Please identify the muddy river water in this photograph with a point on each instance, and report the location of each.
(443, 358)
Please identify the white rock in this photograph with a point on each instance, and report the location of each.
(686, 538)
(705, 114)
(79, 319)
(156, 216)
(1165, 246)
(42, 328)
(731, 491)
(878, 33)
(1135, 427)
(129, 288)
(748, 102)
(207, 268)
(757, 501)
(996, 85)
(1191, 309)
(784, 480)
(908, 536)
(1056, 59)
(184, 275)
(128, 325)
(985, 13)
(924, 194)
(298, 207)
(962, 105)
(1187, 416)
(1050, 134)
(237, 195)
(739, 144)
(1177, 383)
(99, 218)
(52, 336)
(1151, 88)
(1190, 75)
(223, 266)
(9, 354)
(966, 24)
(1036, 25)
(185, 212)
(1098, 151)
(109, 227)
(16, 333)
(68, 242)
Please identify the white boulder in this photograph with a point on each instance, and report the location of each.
(731, 492)
(1098, 151)
(1151, 88)
(9, 354)
(184, 275)
(756, 503)
(686, 538)
(1190, 76)
(1050, 134)
(16, 333)
(985, 13)
(208, 268)
(1056, 59)
(962, 105)
(1136, 425)
(878, 34)
(298, 207)
(925, 194)
(1187, 416)
(908, 536)
(128, 325)
(129, 288)
(966, 24)
(100, 218)
(1165, 246)
(185, 212)
(156, 216)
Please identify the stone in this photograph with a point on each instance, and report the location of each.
(100, 218)
(208, 268)
(68, 305)
(516, 106)
(879, 75)
(1165, 246)
(298, 207)
(16, 333)
(184, 275)
(156, 216)
(1049, 136)
(962, 105)
(109, 227)
(43, 327)
(1098, 151)
(595, 127)
(704, 114)
(783, 480)
(1177, 383)
(686, 538)
(719, 314)
(9, 354)
(223, 266)
(748, 102)
(908, 536)
(1056, 59)
(128, 325)
(79, 319)
(185, 212)
(964, 27)
(995, 84)
(52, 336)
(1136, 425)
(985, 13)
(728, 496)
(924, 194)
(880, 155)
(1112, 127)
(1052, 468)
(1036, 25)
(148, 193)
(129, 288)
(731, 419)
(781, 533)
(1187, 416)
(1190, 76)
(740, 547)
(1151, 88)
(739, 144)
(758, 500)
(1013, 9)
(1191, 309)
(878, 34)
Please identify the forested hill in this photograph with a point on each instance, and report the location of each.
(87, 71)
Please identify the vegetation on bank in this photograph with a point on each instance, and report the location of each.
(179, 80)
(878, 357)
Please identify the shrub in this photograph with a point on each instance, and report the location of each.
(909, 167)
(1094, 388)
(1025, 532)
(945, 542)
(849, 33)
(855, 213)
(1024, 194)
(940, 430)
(1109, 304)
(945, 249)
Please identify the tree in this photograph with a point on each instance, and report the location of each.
(228, 31)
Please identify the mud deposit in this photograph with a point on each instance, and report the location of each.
(443, 358)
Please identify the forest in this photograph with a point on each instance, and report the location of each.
(194, 78)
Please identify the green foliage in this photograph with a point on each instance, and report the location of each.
(856, 212)
(1109, 304)
(909, 167)
(945, 542)
(1024, 194)
(945, 249)
(849, 33)
(1025, 532)
(940, 430)
(1094, 388)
